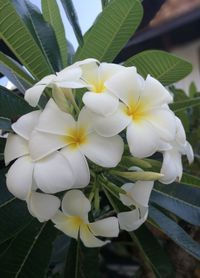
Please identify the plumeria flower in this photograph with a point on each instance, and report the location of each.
(143, 110)
(137, 194)
(95, 75)
(67, 78)
(50, 174)
(172, 168)
(73, 221)
(77, 140)
(42, 206)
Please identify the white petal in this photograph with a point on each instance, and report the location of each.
(142, 139)
(126, 85)
(66, 224)
(107, 70)
(103, 151)
(154, 93)
(89, 240)
(43, 206)
(55, 121)
(85, 120)
(101, 103)
(139, 192)
(107, 227)
(189, 152)
(68, 74)
(19, 177)
(90, 72)
(15, 147)
(180, 132)
(127, 199)
(75, 203)
(163, 120)
(79, 166)
(172, 166)
(33, 94)
(132, 220)
(42, 144)
(53, 174)
(113, 124)
(25, 124)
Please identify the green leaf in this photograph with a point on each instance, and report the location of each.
(29, 253)
(16, 68)
(5, 124)
(2, 147)
(153, 253)
(41, 31)
(51, 14)
(82, 262)
(175, 232)
(181, 208)
(191, 180)
(12, 106)
(111, 31)
(165, 67)
(16, 35)
(73, 19)
(182, 105)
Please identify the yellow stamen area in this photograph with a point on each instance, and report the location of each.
(98, 87)
(136, 111)
(75, 137)
(76, 221)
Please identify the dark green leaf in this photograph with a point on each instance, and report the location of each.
(191, 180)
(165, 67)
(153, 252)
(175, 232)
(16, 35)
(11, 105)
(111, 31)
(41, 32)
(16, 68)
(73, 19)
(29, 253)
(181, 208)
(2, 147)
(5, 124)
(82, 262)
(182, 105)
(51, 14)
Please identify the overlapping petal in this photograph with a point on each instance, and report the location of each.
(42, 206)
(19, 177)
(53, 173)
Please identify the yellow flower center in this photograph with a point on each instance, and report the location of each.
(98, 87)
(136, 111)
(75, 137)
(76, 221)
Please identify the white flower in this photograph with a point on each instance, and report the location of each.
(138, 194)
(143, 111)
(172, 168)
(99, 98)
(58, 130)
(73, 221)
(51, 174)
(67, 78)
(42, 206)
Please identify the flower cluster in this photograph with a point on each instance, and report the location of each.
(63, 148)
